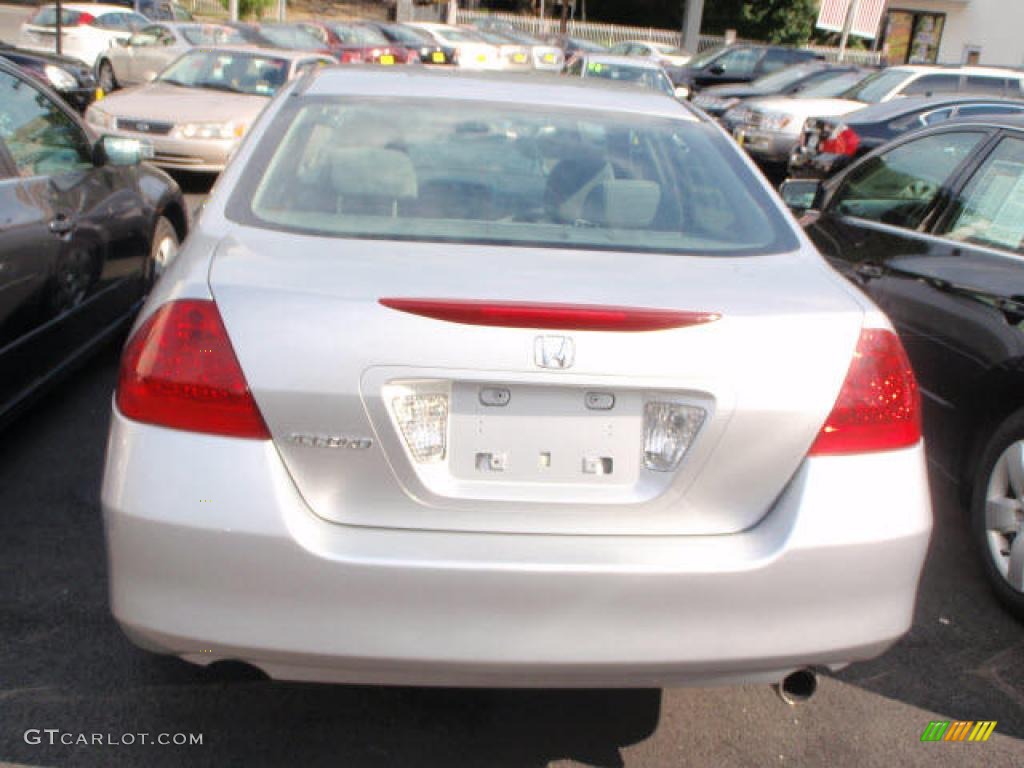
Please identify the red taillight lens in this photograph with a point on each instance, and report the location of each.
(578, 317)
(84, 19)
(179, 371)
(351, 57)
(843, 141)
(879, 407)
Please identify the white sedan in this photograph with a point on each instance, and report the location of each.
(87, 29)
(477, 380)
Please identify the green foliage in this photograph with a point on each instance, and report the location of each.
(779, 21)
(251, 9)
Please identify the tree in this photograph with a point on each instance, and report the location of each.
(779, 21)
(250, 8)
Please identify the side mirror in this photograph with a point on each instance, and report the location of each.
(682, 92)
(717, 69)
(800, 195)
(119, 151)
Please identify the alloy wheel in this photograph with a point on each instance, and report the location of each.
(1004, 515)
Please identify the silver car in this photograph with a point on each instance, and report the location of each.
(470, 380)
(152, 49)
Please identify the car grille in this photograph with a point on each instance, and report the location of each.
(144, 126)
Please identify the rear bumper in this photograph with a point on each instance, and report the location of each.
(767, 147)
(214, 555)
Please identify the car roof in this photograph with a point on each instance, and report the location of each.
(497, 87)
(887, 110)
(92, 8)
(620, 61)
(938, 69)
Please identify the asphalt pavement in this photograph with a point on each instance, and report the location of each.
(65, 665)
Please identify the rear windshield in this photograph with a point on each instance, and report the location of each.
(498, 174)
(47, 17)
(647, 77)
(876, 87)
(211, 34)
(290, 38)
(354, 34)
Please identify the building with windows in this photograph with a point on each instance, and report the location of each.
(954, 32)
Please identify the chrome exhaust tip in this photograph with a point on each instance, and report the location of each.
(797, 687)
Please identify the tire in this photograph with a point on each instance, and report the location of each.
(163, 247)
(997, 513)
(105, 77)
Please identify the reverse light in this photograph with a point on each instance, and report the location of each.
(879, 407)
(180, 371)
(669, 430)
(423, 422)
(842, 140)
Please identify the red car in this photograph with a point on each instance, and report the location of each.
(355, 43)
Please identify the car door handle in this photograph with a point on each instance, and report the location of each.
(61, 224)
(869, 271)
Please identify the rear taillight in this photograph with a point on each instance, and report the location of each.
(351, 57)
(85, 19)
(841, 141)
(879, 407)
(180, 371)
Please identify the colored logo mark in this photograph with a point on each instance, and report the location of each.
(958, 730)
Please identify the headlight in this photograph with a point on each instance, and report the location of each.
(99, 118)
(59, 78)
(775, 123)
(713, 102)
(230, 130)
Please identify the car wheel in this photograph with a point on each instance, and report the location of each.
(997, 513)
(164, 247)
(106, 78)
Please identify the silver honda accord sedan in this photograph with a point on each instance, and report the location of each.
(470, 380)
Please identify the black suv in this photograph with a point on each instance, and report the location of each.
(739, 63)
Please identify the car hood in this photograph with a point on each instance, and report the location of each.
(805, 107)
(173, 104)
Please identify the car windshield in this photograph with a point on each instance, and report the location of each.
(701, 59)
(668, 50)
(876, 87)
(136, 20)
(354, 34)
(290, 38)
(648, 77)
(211, 34)
(459, 35)
(521, 37)
(778, 81)
(407, 35)
(585, 45)
(500, 174)
(231, 71)
(831, 86)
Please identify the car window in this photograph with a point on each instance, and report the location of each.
(932, 84)
(774, 60)
(989, 109)
(501, 174)
(874, 88)
(355, 34)
(41, 138)
(648, 77)
(291, 38)
(144, 37)
(621, 49)
(936, 116)
(992, 86)
(47, 17)
(576, 68)
(212, 34)
(739, 62)
(990, 210)
(899, 186)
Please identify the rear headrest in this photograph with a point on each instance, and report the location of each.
(623, 203)
(372, 172)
